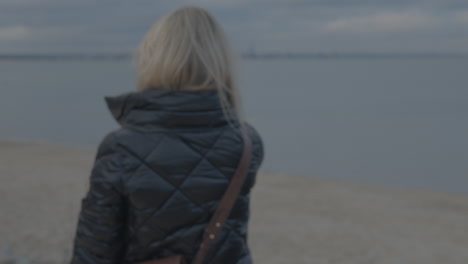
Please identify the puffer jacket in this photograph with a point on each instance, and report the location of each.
(157, 180)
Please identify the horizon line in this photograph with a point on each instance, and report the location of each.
(245, 55)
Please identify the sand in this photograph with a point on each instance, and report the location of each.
(293, 219)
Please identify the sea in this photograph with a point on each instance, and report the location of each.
(391, 121)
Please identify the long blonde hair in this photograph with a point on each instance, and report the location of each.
(188, 50)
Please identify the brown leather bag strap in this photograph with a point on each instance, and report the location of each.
(227, 202)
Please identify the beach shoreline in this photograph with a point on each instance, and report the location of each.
(294, 219)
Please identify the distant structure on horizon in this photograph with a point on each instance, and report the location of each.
(251, 51)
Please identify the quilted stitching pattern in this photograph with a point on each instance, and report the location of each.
(158, 179)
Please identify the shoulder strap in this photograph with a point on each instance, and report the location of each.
(228, 200)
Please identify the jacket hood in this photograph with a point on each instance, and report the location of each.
(168, 108)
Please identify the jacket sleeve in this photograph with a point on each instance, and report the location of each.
(99, 236)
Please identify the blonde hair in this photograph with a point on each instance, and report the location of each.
(188, 50)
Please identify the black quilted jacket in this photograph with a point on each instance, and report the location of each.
(157, 180)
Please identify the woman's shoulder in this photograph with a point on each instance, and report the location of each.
(116, 141)
(107, 143)
(257, 142)
(254, 133)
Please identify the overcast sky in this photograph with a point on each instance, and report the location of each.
(39, 26)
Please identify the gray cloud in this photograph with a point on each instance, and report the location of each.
(270, 25)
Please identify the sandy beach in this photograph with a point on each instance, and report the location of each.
(293, 219)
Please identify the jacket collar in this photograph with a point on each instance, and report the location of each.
(168, 108)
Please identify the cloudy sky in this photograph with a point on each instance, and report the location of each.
(55, 26)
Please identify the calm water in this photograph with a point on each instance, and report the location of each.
(399, 122)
